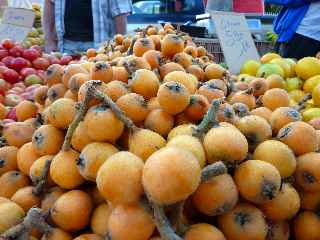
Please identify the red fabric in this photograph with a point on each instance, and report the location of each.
(248, 6)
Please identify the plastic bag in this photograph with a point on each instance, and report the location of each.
(220, 5)
(20, 4)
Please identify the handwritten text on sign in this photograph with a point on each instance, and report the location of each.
(18, 16)
(235, 39)
(16, 23)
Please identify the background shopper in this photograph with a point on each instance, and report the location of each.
(298, 28)
(76, 25)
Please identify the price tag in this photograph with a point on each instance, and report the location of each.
(235, 39)
(16, 23)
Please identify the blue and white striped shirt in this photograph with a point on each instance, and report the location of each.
(103, 12)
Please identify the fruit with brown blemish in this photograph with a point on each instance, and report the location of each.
(182, 58)
(216, 148)
(142, 45)
(11, 182)
(226, 113)
(8, 159)
(64, 171)
(72, 210)
(259, 85)
(53, 74)
(186, 79)
(176, 170)
(99, 219)
(70, 71)
(92, 157)
(134, 106)
(197, 108)
(278, 154)
(56, 91)
(50, 197)
(99, 116)
(244, 222)
(278, 230)
(171, 45)
(307, 174)
(18, 133)
(25, 198)
(275, 98)
(101, 71)
(76, 81)
(217, 196)
(173, 97)
(153, 57)
(257, 181)
(282, 116)
(246, 97)
(295, 133)
(197, 71)
(145, 83)
(284, 206)
(255, 128)
(47, 140)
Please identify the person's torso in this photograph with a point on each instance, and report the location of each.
(310, 25)
(78, 20)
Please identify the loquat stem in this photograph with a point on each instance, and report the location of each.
(177, 219)
(82, 110)
(162, 223)
(34, 219)
(159, 218)
(259, 102)
(213, 170)
(209, 119)
(249, 91)
(230, 83)
(130, 50)
(42, 181)
(115, 109)
(301, 104)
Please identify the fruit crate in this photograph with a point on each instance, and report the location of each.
(214, 48)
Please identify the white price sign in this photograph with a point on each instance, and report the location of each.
(235, 39)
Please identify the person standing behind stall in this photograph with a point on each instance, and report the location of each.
(71, 26)
(298, 28)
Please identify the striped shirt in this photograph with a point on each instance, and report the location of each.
(103, 12)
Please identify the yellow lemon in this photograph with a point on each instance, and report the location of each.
(308, 67)
(311, 83)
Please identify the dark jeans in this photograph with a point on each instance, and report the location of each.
(298, 47)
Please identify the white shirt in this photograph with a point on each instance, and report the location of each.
(310, 25)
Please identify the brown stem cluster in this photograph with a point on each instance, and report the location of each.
(42, 181)
(34, 219)
(209, 120)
